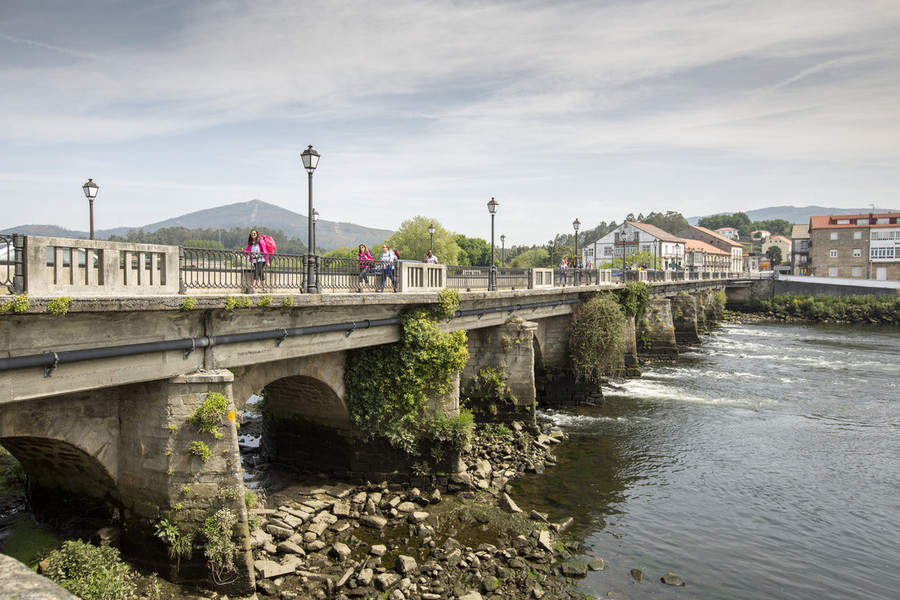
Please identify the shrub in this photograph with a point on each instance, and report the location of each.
(487, 392)
(91, 572)
(209, 414)
(388, 387)
(59, 306)
(596, 343)
(634, 299)
(220, 549)
(200, 449)
(188, 303)
(178, 542)
(19, 303)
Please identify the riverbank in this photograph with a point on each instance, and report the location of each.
(325, 539)
(314, 537)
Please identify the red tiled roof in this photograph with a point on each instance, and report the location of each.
(717, 236)
(698, 246)
(831, 221)
(655, 232)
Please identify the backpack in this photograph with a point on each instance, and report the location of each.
(396, 255)
(270, 243)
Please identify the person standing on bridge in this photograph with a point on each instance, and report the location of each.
(260, 251)
(366, 262)
(388, 258)
(430, 258)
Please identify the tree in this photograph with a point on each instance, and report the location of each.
(774, 254)
(775, 226)
(412, 241)
(536, 257)
(672, 222)
(738, 220)
(474, 251)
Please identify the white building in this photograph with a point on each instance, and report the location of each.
(619, 246)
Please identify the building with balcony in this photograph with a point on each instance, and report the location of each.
(700, 256)
(800, 249)
(863, 246)
(631, 244)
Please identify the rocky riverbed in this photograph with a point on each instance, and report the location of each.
(323, 539)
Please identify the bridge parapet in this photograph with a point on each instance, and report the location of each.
(63, 266)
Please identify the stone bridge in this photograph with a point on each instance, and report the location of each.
(95, 402)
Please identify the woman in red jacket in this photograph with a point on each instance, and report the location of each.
(260, 251)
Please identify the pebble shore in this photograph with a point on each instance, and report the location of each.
(335, 540)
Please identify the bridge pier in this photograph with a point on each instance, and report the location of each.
(190, 489)
(656, 331)
(555, 384)
(509, 350)
(684, 319)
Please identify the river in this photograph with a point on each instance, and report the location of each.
(762, 464)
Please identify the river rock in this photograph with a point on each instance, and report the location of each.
(406, 564)
(373, 521)
(573, 569)
(386, 581)
(597, 564)
(508, 504)
(672, 579)
(637, 575)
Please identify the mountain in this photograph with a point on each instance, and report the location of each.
(255, 213)
(796, 214)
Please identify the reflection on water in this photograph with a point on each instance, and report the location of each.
(763, 464)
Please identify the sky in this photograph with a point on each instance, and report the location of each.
(559, 109)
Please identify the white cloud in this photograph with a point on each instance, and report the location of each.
(448, 100)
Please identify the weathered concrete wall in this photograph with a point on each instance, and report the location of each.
(813, 288)
(507, 348)
(631, 366)
(701, 310)
(127, 450)
(656, 332)
(684, 319)
(552, 337)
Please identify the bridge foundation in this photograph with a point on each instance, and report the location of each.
(684, 319)
(508, 350)
(656, 331)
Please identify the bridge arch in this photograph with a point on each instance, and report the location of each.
(309, 387)
(65, 444)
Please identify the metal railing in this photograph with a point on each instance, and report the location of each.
(468, 278)
(56, 265)
(206, 268)
(12, 262)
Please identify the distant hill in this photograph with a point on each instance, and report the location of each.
(795, 214)
(255, 213)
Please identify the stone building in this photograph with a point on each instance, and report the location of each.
(862, 246)
(800, 249)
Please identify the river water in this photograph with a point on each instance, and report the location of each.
(764, 463)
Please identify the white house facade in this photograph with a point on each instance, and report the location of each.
(619, 247)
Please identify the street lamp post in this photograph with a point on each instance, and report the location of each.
(310, 160)
(90, 192)
(431, 233)
(502, 250)
(492, 277)
(315, 223)
(576, 224)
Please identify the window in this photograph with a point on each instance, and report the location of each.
(862, 221)
(843, 221)
(803, 258)
(832, 253)
(857, 252)
(645, 247)
(833, 235)
(607, 250)
(856, 272)
(881, 253)
(832, 271)
(804, 246)
(857, 235)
